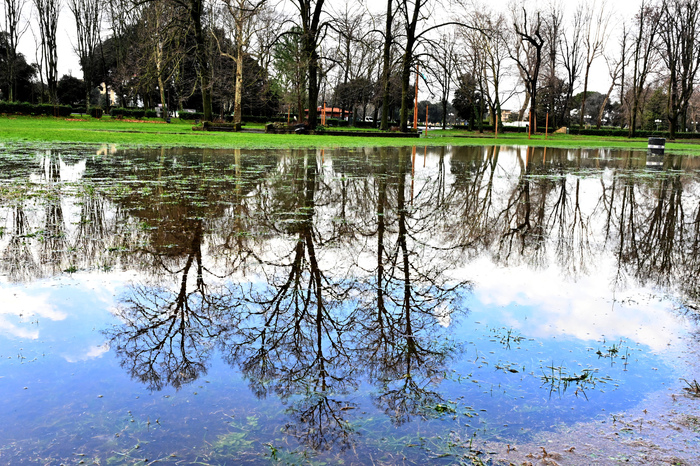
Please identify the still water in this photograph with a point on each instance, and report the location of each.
(383, 306)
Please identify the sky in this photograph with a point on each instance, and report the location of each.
(68, 60)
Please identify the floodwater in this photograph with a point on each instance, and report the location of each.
(366, 306)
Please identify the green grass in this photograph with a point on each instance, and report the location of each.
(179, 133)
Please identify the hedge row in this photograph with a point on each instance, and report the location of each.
(625, 132)
(25, 108)
(509, 129)
(136, 113)
(191, 116)
(262, 119)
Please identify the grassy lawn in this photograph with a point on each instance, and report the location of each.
(179, 133)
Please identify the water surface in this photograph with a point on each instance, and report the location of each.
(369, 305)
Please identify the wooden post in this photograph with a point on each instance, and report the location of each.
(415, 105)
(546, 126)
(496, 126)
(527, 157)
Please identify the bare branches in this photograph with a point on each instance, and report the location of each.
(47, 13)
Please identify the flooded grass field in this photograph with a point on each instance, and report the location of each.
(466, 305)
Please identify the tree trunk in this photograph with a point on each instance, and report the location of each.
(386, 71)
(238, 96)
(196, 12)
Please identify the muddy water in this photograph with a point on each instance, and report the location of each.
(374, 305)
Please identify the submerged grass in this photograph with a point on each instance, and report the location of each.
(179, 133)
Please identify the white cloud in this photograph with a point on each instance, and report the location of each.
(544, 304)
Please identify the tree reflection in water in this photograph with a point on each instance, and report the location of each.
(314, 277)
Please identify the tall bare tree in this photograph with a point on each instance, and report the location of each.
(47, 14)
(312, 29)
(572, 57)
(527, 53)
(680, 25)
(88, 21)
(444, 54)
(14, 29)
(387, 62)
(243, 13)
(490, 34)
(553, 30)
(643, 56)
(616, 65)
(595, 20)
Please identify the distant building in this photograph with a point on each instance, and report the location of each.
(332, 112)
(109, 95)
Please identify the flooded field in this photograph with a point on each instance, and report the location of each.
(470, 305)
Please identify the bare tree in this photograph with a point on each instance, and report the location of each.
(88, 20)
(594, 37)
(445, 56)
(387, 62)
(490, 35)
(616, 65)
(348, 25)
(14, 29)
(643, 55)
(553, 25)
(162, 39)
(412, 14)
(680, 21)
(572, 57)
(47, 13)
(527, 54)
(312, 29)
(243, 13)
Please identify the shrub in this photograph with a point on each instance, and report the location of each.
(191, 116)
(136, 113)
(262, 119)
(25, 108)
(365, 124)
(337, 122)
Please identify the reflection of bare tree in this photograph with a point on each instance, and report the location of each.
(524, 215)
(406, 300)
(651, 228)
(166, 336)
(167, 333)
(474, 169)
(19, 262)
(290, 342)
(572, 240)
(54, 247)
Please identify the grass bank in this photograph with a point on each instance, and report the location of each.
(179, 133)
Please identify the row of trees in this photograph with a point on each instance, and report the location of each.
(256, 56)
